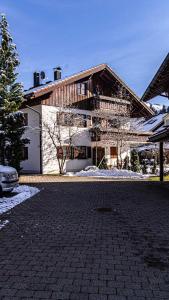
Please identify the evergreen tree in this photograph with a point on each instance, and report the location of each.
(11, 97)
(154, 168)
(135, 163)
(103, 164)
(144, 167)
(14, 133)
(126, 163)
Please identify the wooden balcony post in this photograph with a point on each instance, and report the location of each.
(161, 162)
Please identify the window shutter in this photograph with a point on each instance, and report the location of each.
(113, 152)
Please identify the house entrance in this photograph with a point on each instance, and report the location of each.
(98, 155)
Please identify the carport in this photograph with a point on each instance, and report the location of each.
(159, 86)
(161, 137)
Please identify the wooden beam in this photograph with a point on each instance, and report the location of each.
(113, 99)
(161, 162)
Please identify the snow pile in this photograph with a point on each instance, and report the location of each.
(3, 223)
(23, 193)
(7, 169)
(115, 173)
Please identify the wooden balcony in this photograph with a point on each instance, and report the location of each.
(110, 136)
(113, 99)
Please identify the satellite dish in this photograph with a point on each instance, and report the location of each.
(42, 75)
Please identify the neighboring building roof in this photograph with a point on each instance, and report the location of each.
(46, 88)
(154, 123)
(160, 82)
(147, 147)
(158, 108)
(160, 136)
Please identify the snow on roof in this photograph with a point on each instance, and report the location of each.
(157, 107)
(147, 147)
(46, 87)
(55, 82)
(151, 124)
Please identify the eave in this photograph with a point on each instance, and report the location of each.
(159, 83)
(45, 89)
(161, 136)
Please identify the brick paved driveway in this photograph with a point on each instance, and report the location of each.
(58, 246)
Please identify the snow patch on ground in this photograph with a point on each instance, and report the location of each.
(24, 192)
(3, 223)
(115, 173)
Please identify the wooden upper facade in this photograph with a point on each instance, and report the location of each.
(98, 88)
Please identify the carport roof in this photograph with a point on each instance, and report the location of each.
(161, 136)
(160, 82)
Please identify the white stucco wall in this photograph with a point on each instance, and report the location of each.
(32, 165)
(49, 160)
(81, 138)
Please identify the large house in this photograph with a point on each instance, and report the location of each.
(93, 112)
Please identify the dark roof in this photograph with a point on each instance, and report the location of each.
(46, 88)
(160, 82)
(160, 136)
(75, 77)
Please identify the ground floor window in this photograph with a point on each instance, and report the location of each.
(76, 152)
(89, 152)
(65, 152)
(80, 152)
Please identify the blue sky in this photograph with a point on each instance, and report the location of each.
(131, 36)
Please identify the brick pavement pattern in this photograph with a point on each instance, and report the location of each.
(57, 245)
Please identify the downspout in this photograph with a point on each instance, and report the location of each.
(40, 133)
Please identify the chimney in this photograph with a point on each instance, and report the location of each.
(36, 79)
(57, 73)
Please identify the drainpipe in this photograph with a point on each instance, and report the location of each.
(40, 133)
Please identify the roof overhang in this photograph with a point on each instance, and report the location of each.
(160, 82)
(48, 88)
(162, 136)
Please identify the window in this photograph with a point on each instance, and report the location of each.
(69, 152)
(96, 121)
(78, 152)
(65, 152)
(80, 120)
(62, 118)
(25, 153)
(113, 152)
(82, 88)
(68, 119)
(115, 123)
(82, 152)
(89, 152)
(25, 119)
(152, 121)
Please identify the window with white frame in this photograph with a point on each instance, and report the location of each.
(82, 88)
